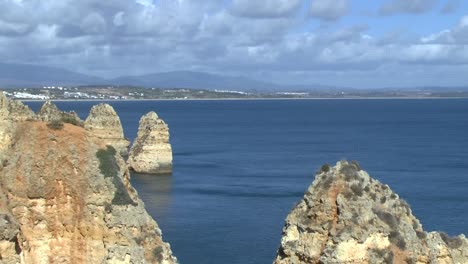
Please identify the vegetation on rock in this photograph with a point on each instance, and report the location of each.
(107, 162)
(55, 125)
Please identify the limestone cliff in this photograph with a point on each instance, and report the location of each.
(50, 112)
(151, 152)
(65, 197)
(348, 217)
(104, 124)
(11, 112)
(14, 110)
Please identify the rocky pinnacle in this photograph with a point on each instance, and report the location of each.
(348, 217)
(151, 152)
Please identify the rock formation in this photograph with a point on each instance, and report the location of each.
(50, 112)
(10, 113)
(14, 110)
(348, 217)
(65, 197)
(151, 152)
(104, 124)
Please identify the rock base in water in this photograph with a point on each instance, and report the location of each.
(151, 152)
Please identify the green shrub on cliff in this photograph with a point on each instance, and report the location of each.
(55, 124)
(324, 168)
(110, 169)
(70, 119)
(452, 242)
(107, 163)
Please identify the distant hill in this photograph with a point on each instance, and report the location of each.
(24, 75)
(20, 75)
(195, 80)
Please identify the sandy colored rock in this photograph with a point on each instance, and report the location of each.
(348, 217)
(9, 231)
(50, 112)
(11, 112)
(65, 197)
(104, 124)
(14, 110)
(151, 152)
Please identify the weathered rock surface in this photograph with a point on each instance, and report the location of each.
(151, 152)
(9, 231)
(65, 197)
(348, 217)
(104, 124)
(11, 112)
(14, 110)
(50, 112)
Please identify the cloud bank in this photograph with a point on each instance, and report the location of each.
(289, 41)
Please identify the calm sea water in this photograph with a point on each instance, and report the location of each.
(240, 166)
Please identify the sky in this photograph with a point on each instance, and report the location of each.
(351, 43)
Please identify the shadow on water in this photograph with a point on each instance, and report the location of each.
(155, 191)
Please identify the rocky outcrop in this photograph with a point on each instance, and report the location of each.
(9, 231)
(14, 110)
(65, 197)
(50, 112)
(104, 124)
(11, 112)
(151, 152)
(347, 217)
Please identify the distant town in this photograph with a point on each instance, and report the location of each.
(136, 93)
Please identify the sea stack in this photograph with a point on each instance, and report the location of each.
(66, 197)
(104, 124)
(151, 152)
(346, 216)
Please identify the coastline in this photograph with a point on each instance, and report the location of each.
(247, 99)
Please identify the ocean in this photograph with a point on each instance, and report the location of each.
(241, 165)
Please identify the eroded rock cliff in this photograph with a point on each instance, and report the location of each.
(14, 110)
(151, 152)
(11, 112)
(348, 217)
(65, 197)
(50, 112)
(104, 124)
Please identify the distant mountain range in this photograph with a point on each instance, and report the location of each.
(20, 75)
(195, 80)
(23, 75)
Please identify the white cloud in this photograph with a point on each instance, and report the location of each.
(328, 9)
(146, 3)
(7, 28)
(265, 8)
(122, 37)
(93, 23)
(119, 19)
(407, 6)
(457, 35)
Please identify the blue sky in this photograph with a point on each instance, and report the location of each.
(362, 44)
